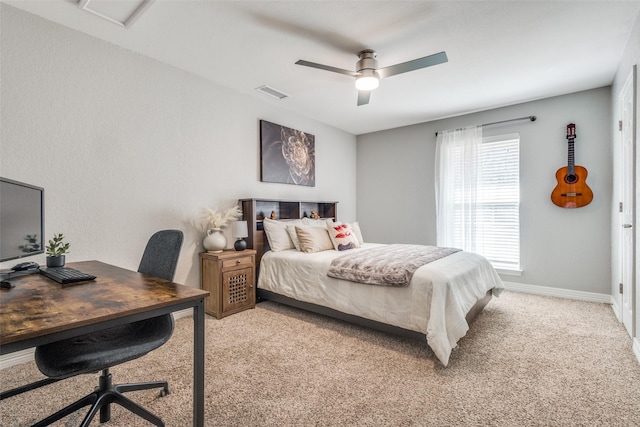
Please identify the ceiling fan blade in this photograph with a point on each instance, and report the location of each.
(416, 64)
(326, 67)
(363, 97)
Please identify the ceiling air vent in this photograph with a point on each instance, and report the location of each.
(123, 12)
(272, 92)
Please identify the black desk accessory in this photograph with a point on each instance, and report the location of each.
(24, 266)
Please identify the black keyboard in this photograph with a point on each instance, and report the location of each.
(66, 275)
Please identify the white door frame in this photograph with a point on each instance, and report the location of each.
(627, 212)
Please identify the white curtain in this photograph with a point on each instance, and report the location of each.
(457, 172)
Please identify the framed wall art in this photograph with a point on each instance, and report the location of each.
(287, 155)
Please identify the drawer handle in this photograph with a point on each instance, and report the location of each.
(237, 261)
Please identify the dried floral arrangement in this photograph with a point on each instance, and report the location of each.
(216, 219)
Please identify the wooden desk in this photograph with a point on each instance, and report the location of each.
(39, 311)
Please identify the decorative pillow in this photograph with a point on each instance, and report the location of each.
(291, 229)
(314, 239)
(342, 236)
(354, 226)
(277, 235)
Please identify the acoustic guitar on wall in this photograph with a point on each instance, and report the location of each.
(572, 190)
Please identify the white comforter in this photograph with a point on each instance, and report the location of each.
(435, 303)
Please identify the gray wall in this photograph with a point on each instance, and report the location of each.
(125, 145)
(560, 248)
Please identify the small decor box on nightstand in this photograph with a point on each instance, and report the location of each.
(229, 276)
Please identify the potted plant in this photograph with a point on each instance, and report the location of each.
(56, 248)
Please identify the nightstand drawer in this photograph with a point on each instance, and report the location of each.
(237, 262)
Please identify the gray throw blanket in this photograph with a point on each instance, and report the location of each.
(390, 265)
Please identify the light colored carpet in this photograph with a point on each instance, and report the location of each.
(527, 360)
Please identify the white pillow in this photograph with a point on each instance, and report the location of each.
(342, 236)
(313, 222)
(356, 230)
(314, 239)
(277, 235)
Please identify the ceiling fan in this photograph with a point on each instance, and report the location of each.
(368, 74)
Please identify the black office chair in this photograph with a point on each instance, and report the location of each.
(104, 349)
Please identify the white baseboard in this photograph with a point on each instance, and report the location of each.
(616, 309)
(557, 292)
(636, 348)
(16, 358)
(24, 356)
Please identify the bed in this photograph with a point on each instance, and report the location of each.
(439, 302)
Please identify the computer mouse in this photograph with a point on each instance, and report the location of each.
(29, 265)
(5, 284)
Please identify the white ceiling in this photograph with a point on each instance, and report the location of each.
(500, 52)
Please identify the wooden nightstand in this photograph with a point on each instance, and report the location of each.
(230, 278)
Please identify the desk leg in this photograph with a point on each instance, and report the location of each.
(198, 364)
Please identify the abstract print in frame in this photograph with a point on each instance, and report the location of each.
(288, 155)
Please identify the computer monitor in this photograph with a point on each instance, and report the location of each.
(21, 220)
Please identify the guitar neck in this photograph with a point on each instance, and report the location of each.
(571, 161)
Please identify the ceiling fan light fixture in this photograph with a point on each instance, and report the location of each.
(368, 74)
(367, 80)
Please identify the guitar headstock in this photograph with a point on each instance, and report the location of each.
(571, 130)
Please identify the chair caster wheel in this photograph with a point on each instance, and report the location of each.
(164, 392)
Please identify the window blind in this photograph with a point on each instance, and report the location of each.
(495, 221)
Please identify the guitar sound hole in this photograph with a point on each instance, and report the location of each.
(571, 179)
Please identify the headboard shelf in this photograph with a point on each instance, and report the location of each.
(254, 211)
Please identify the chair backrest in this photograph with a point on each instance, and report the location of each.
(160, 257)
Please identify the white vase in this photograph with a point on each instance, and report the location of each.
(215, 240)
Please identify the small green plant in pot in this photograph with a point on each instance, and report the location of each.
(56, 248)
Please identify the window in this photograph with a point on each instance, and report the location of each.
(479, 197)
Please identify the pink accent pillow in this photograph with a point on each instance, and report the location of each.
(342, 236)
